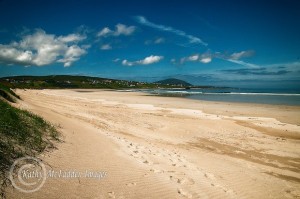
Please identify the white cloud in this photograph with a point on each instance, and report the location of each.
(10, 55)
(127, 63)
(72, 54)
(193, 58)
(116, 60)
(41, 49)
(148, 60)
(243, 63)
(242, 54)
(206, 60)
(106, 47)
(104, 32)
(71, 38)
(192, 39)
(234, 58)
(159, 40)
(124, 30)
(120, 29)
(203, 58)
(151, 59)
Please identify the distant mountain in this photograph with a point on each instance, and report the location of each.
(174, 82)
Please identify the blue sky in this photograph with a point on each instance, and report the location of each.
(225, 43)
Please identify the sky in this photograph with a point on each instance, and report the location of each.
(235, 43)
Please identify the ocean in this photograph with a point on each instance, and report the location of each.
(259, 96)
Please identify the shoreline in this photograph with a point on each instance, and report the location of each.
(222, 107)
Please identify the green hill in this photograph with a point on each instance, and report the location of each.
(69, 81)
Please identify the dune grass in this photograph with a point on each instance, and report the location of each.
(7, 93)
(22, 133)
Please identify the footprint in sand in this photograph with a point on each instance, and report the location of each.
(131, 184)
(184, 181)
(156, 171)
(184, 193)
(134, 155)
(209, 176)
(148, 162)
(174, 179)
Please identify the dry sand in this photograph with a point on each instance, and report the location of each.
(158, 147)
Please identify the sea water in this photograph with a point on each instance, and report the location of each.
(260, 96)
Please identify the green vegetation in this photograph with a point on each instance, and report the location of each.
(85, 82)
(22, 133)
(7, 93)
(67, 81)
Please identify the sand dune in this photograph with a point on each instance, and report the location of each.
(158, 147)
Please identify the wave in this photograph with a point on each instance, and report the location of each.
(272, 94)
(224, 93)
(184, 92)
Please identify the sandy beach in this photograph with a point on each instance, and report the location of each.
(162, 147)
